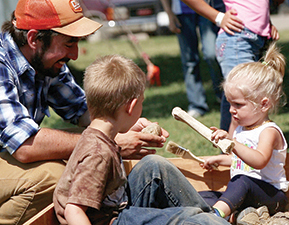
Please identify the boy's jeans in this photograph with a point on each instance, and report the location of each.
(160, 194)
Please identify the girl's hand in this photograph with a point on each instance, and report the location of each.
(216, 160)
(218, 134)
(231, 22)
(210, 162)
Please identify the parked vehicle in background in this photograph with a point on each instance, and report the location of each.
(121, 16)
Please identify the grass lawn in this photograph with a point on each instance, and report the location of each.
(159, 101)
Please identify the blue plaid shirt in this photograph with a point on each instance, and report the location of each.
(24, 100)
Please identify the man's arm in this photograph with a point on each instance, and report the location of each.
(52, 144)
(47, 144)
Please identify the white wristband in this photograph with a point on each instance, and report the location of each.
(219, 19)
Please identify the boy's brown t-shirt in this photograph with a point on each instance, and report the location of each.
(94, 177)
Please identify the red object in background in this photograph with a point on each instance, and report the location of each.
(153, 75)
(153, 71)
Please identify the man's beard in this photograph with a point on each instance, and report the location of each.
(41, 71)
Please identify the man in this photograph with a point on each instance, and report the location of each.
(35, 46)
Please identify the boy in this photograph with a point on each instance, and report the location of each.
(93, 183)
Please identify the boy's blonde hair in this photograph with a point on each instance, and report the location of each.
(257, 80)
(110, 82)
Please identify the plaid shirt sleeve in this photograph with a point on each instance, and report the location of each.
(66, 97)
(15, 123)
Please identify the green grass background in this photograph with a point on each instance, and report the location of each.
(159, 101)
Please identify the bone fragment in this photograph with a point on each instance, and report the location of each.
(225, 145)
(153, 129)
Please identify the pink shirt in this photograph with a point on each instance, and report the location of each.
(255, 14)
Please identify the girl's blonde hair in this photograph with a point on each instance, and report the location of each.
(110, 82)
(257, 80)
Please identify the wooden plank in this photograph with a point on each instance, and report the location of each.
(44, 217)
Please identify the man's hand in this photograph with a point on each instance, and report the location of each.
(134, 143)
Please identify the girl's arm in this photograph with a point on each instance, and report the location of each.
(230, 21)
(75, 214)
(269, 139)
(220, 160)
(223, 159)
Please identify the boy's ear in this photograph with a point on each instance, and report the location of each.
(265, 104)
(131, 105)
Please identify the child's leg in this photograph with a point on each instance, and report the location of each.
(244, 191)
(222, 208)
(211, 197)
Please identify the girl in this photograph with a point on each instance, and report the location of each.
(257, 175)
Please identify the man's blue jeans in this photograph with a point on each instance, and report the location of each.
(160, 194)
(231, 51)
(188, 41)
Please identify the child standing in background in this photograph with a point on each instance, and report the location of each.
(257, 162)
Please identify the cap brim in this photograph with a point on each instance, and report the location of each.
(80, 28)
